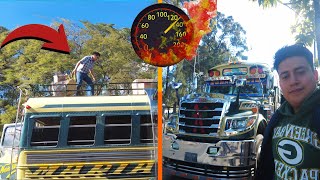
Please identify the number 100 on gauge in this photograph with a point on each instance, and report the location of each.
(161, 34)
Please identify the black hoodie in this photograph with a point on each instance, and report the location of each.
(296, 131)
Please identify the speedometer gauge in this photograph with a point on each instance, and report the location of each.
(161, 33)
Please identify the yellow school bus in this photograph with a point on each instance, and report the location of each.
(93, 137)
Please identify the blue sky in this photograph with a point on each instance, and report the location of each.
(15, 13)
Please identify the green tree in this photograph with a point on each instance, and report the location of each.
(3, 29)
(7, 117)
(24, 62)
(307, 26)
(8, 104)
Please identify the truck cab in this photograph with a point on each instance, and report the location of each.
(220, 130)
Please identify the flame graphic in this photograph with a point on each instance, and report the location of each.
(200, 13)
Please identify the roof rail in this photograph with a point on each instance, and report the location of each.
(100, 89)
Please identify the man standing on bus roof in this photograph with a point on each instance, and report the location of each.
(81, 70)
(291, 145)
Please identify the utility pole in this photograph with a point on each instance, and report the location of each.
(316, 6)
(194, 73)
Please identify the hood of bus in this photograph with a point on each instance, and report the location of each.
(207, 115)
(205, 97)
(216, 98)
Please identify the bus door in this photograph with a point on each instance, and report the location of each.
(9, 145)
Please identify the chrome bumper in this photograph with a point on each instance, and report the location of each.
(221, 160)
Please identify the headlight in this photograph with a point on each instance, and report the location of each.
(240, 123)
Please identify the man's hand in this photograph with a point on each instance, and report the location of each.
(93, 78)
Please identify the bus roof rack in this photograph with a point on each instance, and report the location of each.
(100, 89)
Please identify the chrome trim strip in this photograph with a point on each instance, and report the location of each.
(87, 156)
(212, 126)
(213, 118)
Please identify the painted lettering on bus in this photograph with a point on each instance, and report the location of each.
(99, 170)
(6, 168)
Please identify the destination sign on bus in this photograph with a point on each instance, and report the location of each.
(220, 82)
(228, 78)
(256, 80)
(235, 71)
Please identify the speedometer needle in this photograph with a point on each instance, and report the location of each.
(171, 25)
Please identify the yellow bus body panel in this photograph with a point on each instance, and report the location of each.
(97, 170)
(87, 103)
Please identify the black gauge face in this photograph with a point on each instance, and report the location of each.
(161, 33)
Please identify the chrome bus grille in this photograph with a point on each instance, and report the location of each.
(209, 170)
(200, 118)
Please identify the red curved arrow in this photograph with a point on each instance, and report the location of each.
(55, 41)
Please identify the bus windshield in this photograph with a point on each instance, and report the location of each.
(255, 89)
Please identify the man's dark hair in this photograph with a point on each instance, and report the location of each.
(290, 51)
(96, 53)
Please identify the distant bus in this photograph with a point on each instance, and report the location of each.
(9, 143)
(94, 137)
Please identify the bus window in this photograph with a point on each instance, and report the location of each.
(45, 131)
(252, 89)
(146, 134)
(117, 129)
(81, 130)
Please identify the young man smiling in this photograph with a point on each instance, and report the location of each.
(291, 145)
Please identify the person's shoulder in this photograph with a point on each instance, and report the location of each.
(316, 118)
(86, 58)
(317, 97)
